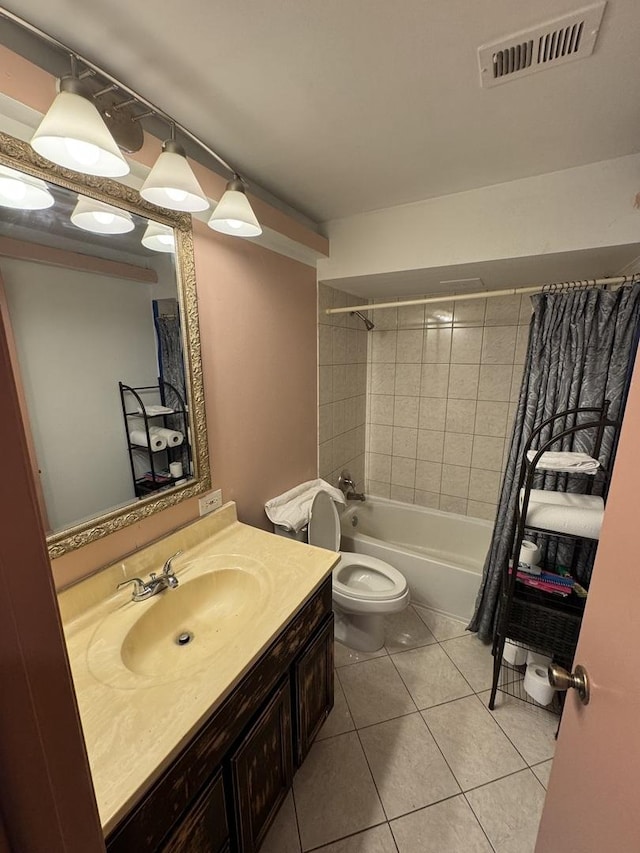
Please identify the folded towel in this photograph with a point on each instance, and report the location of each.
(569, 461)
(139, 437)
(562, 512)
(151, 411)
(292, 509)
(172, 437)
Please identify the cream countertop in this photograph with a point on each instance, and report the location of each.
(135, 730)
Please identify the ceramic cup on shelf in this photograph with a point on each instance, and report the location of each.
(530, 553)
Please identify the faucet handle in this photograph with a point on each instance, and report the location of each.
(168, 570)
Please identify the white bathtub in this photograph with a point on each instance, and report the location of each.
(441, 554)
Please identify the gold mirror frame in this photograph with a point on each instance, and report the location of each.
(21, 156)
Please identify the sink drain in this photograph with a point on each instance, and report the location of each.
(184, 638)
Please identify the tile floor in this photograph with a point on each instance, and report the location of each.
(412, 761)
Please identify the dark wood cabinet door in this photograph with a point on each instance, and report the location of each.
(313, 688)
(204, 828)
(262, 770)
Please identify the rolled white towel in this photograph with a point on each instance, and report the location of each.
(564, 462)
(152, 411)
(292, 509)
(563, 512)
(172, 437)
(139, 437)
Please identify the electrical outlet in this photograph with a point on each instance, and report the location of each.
(210, 502)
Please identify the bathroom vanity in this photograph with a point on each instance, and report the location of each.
(195, 749)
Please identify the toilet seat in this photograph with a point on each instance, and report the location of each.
(360, 583)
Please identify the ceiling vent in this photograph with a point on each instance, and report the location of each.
(562, 40)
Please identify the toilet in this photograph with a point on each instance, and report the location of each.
(364, 588)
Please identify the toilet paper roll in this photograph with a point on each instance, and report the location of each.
(529, 553)
(513, 654)
(536, 657)
(536, 684)
(171, 437)
(139, 437)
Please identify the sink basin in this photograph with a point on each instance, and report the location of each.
(171, 634)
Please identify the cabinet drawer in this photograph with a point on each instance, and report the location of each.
(313, 688)
(204, 827)
(262, 770)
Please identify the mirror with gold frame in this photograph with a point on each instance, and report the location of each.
(105, 344)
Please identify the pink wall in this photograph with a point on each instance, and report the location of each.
(258, 328)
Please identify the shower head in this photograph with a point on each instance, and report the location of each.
(364, 319)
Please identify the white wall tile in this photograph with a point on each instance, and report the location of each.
(491, 418)
(455, 481)
(405, 412)
(411, 317)
(430, 445)
(409, 346)
(432, 413)
(487, 452)
(499, 344)
(437, 346)
(383, 346)
(379, 467)
(428, 476)
(408, 379)
(381, 437)
(383, 379)
(463, 381)
(435, 380)
(404, 443)
(495, 382)
(484, 485)
(405, 494)
(503, 311)
(470, 312)
(381, 409)
(457, 448)
(403, 471)
(460, 416)
(466, 345)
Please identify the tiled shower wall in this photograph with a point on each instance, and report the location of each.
(443, 381)
(342, 380)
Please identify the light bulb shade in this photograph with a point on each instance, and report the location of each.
(74, 135)
(101, 218)
(23, 192)
(172, 184)
(234, 214)
(159, 237)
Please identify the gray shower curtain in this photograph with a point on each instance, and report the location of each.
(581, 350)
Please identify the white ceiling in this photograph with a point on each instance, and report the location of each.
(343, 106)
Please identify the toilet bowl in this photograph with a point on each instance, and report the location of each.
(364, 588)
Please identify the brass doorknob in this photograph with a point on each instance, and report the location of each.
(562, 679)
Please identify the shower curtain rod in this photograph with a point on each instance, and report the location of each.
(484, 294)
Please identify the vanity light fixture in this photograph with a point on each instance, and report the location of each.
(101, 218)
(23, 192)
(73, 134)
(159, 237)
(88, 125)
(233, 213)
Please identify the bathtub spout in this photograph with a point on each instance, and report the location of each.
(355, 496)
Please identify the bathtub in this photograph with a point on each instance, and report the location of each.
(441, 554)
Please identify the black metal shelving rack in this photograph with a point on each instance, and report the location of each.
(531, 618)
(146, 485)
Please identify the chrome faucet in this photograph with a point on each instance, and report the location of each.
(348, 487)
(145, 589)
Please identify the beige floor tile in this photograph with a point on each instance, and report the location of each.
(430, 676)
(406, 630)
(448, 827)
(334, 792)
(475, 747)
(339, 720)
(442, 627)
(283, 835)
(509, 811)
(473, 658)
(543, 771)
(375, 692)
(376, 840)
(407, 766)
(343, 655)
(531, 729)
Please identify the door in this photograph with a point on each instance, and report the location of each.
(262, 771)
(594, 789)
(313, 689)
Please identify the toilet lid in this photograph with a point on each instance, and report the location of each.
(324, 524)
